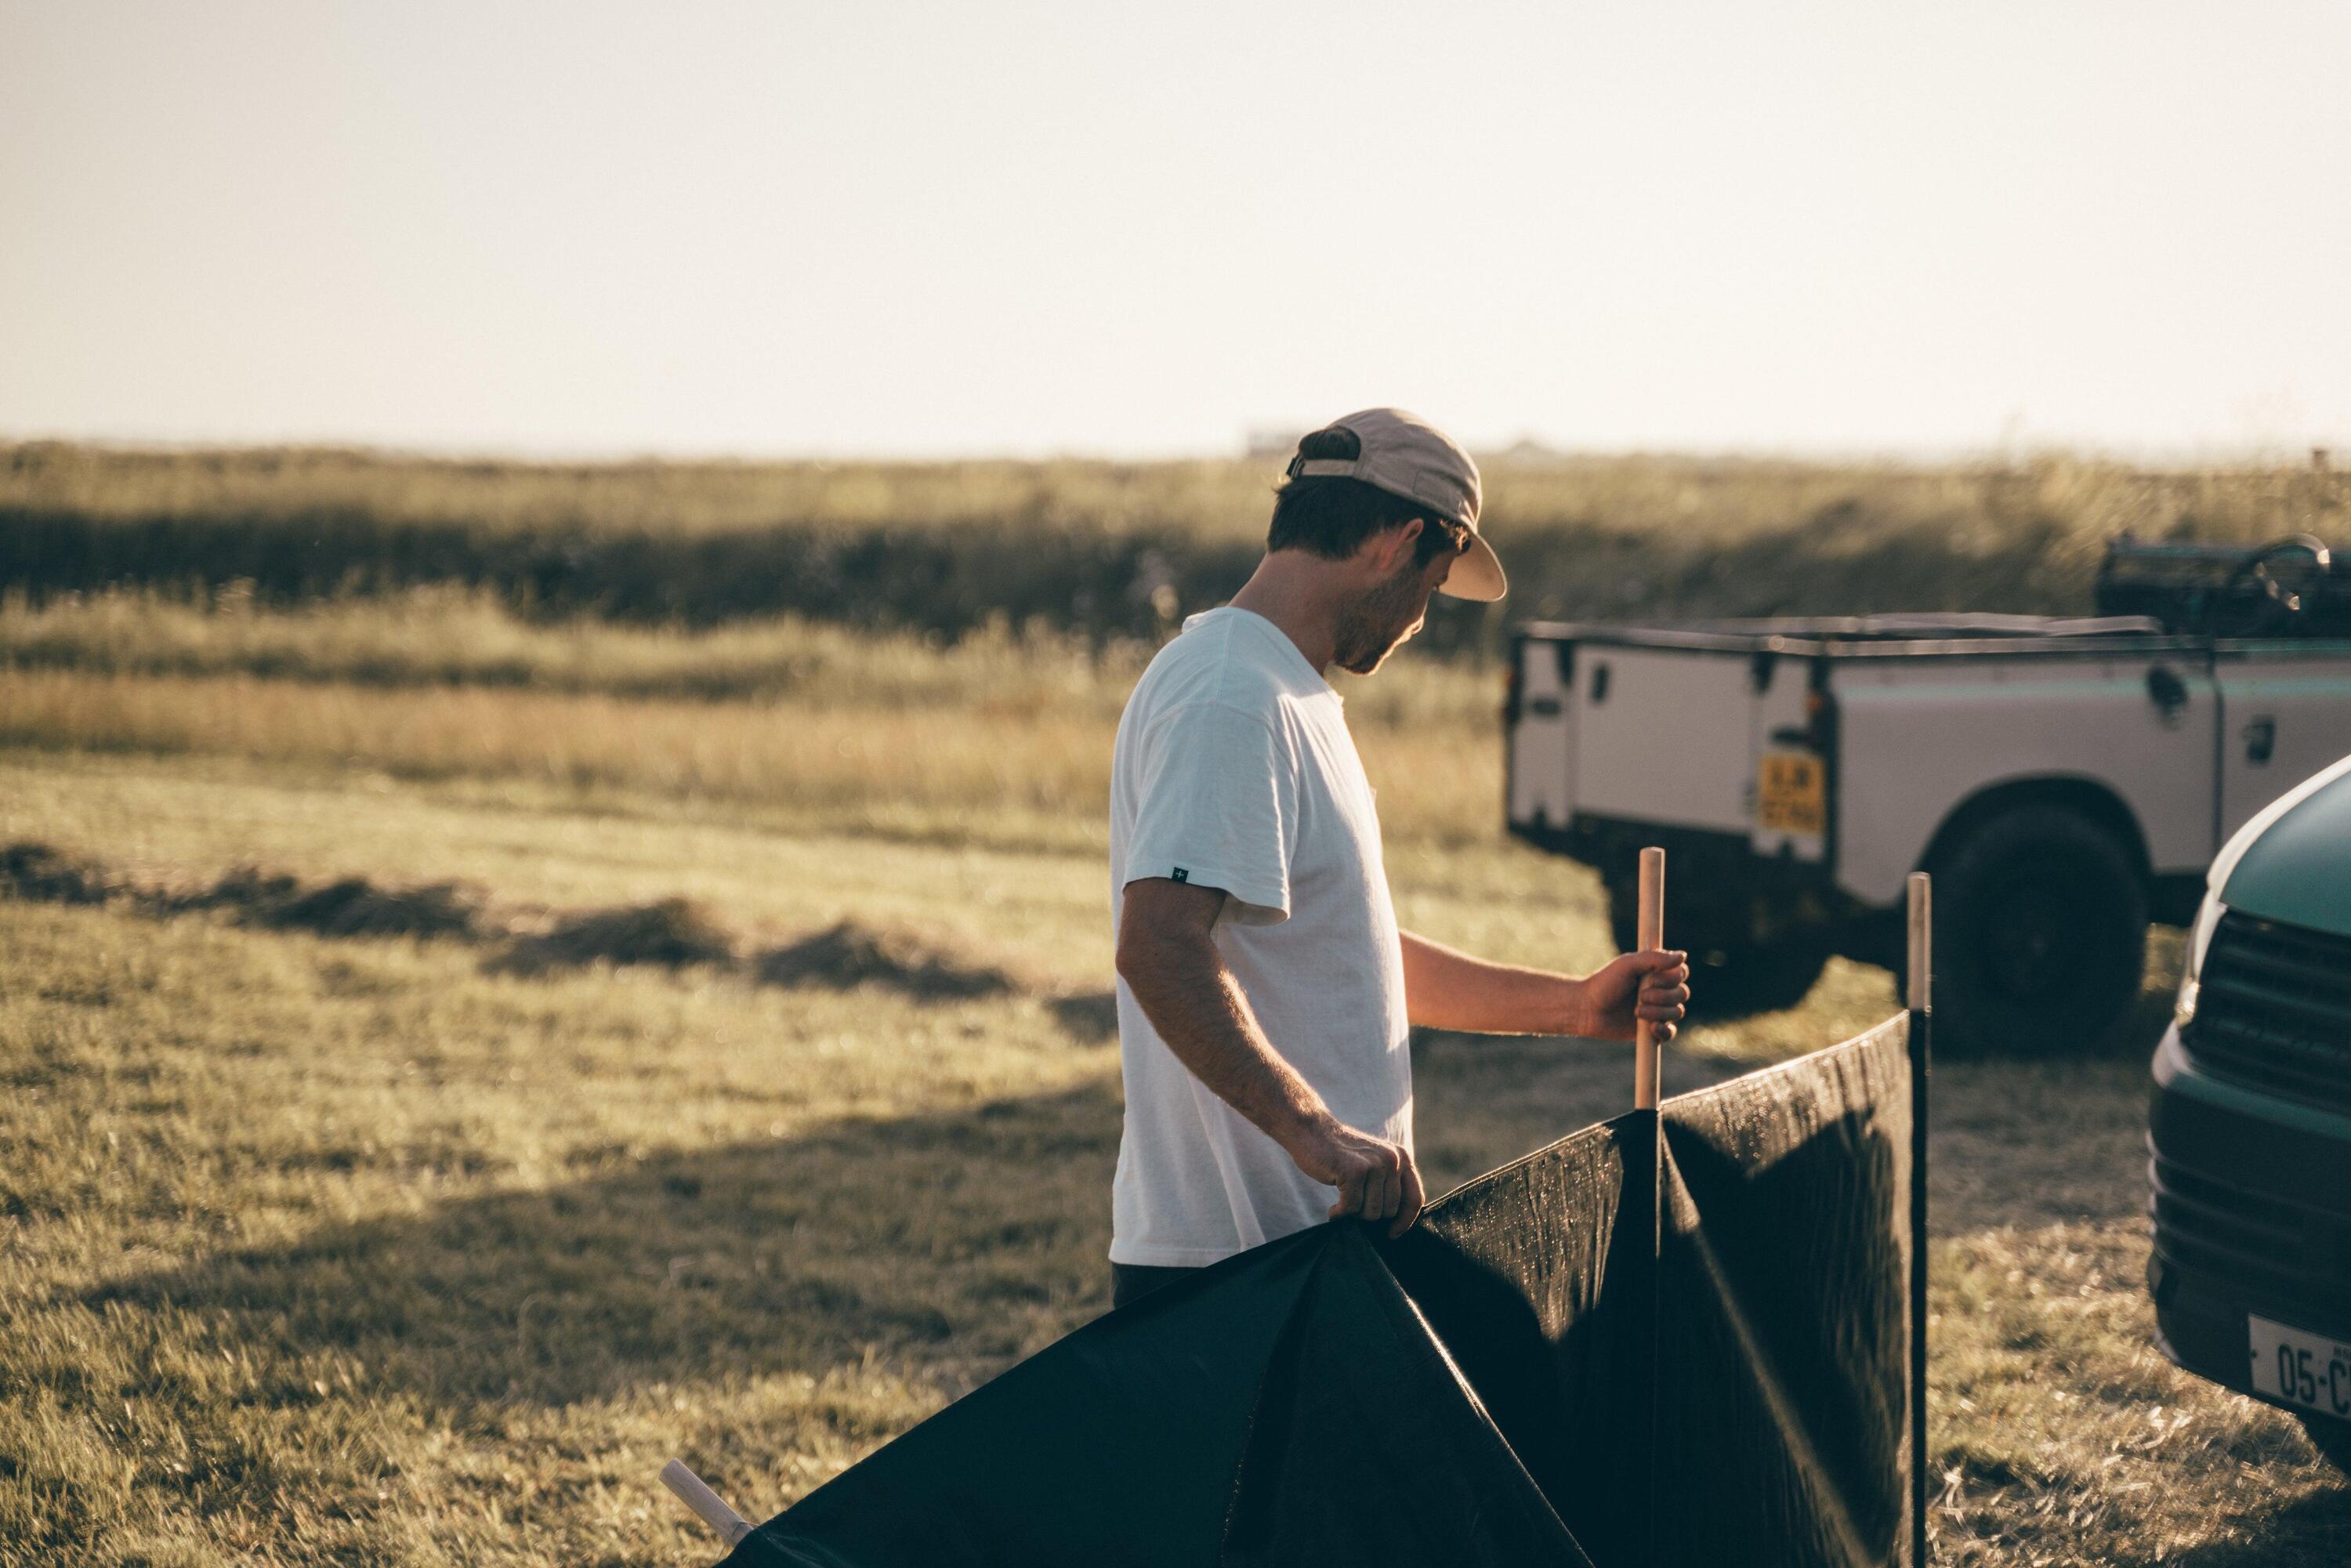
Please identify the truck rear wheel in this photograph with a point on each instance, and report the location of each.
(2040, 934)
(1728, 978)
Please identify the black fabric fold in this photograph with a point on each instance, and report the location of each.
(1539, 1373)
(1783, 1313)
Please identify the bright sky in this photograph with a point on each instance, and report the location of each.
(885, 227)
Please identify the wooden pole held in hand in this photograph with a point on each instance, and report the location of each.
(732, 1527)
(1652, 933)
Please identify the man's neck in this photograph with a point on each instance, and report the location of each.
(1292, 595)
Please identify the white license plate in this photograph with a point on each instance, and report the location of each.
(2300, 1367)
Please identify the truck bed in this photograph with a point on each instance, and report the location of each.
(1880, 636)
(1831, 751)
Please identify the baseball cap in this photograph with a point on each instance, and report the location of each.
(1406, 455)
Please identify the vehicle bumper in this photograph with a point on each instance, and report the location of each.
(2251, 1210)
(1609, 844)
(1727, 894)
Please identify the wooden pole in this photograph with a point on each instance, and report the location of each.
(732, 1527)
(1921, 987)
(1652, 933)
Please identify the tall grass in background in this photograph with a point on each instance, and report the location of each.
(466, 637)
(1001, 736)
(1097, 549)
(450, 635)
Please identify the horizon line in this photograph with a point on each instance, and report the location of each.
(1520, 451)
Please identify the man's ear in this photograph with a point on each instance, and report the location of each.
(1391, 546)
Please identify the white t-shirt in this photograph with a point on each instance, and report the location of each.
(1234, 770)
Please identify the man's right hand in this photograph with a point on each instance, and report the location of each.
(1377, 1179)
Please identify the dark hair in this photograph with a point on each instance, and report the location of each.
(1331, 517)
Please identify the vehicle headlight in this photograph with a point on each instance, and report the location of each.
(2199, 938)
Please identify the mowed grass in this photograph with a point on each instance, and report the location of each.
(364, 1251)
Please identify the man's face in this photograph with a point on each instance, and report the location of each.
(1385, 615)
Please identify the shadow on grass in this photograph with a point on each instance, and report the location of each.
(956, 1241)
(2314, 1529)
(961, 1239)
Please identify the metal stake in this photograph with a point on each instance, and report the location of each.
(1921, 999)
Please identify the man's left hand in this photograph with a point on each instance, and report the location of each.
(1653, 985)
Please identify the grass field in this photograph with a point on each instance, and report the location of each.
(1098, 550)
(387, 1248)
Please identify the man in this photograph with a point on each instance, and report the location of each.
(1264, 992)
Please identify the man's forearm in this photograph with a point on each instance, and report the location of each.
(1198, 1007)
(1451, 991)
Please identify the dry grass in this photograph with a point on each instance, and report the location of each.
(686, 497)
(673, 932)
(940, 770)
(1727, 498)
(1100, 550)
(450, 637)
(787, 753)
(347, 1250)
(453, 636)
(352, 1249)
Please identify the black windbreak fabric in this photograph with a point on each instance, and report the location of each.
(1289, 1405)
(1536, 1277)
(1539, 1372)
(1782, 1366)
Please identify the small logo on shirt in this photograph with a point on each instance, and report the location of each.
(1183, 876)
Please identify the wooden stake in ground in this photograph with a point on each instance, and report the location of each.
(1651, 934)
(1922, 964)
(732, 1527)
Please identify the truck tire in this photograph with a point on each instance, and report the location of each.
(1729, 979)
(2040, 934)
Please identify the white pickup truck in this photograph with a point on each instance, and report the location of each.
(2066, 781)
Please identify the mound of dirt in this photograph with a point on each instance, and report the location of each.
(357, 907)
(1090, 1017)
(673, 932)
(40, 874)
(918, 963)
(252, 893)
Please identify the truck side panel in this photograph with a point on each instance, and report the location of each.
(2285, 713)
(1636, 707)
(1542, 737)
(1918, 738)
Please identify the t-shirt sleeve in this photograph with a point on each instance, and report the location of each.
(1218, 808)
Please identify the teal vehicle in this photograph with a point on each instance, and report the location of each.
(2250, 1128)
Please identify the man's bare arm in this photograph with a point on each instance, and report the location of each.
(1451, 991)
(1168, 958)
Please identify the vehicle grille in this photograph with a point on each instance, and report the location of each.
(2270, 1249)
(2274, 1012)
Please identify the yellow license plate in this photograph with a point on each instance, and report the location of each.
(1793, 796)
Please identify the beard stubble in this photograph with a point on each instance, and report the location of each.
(1370, 628)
